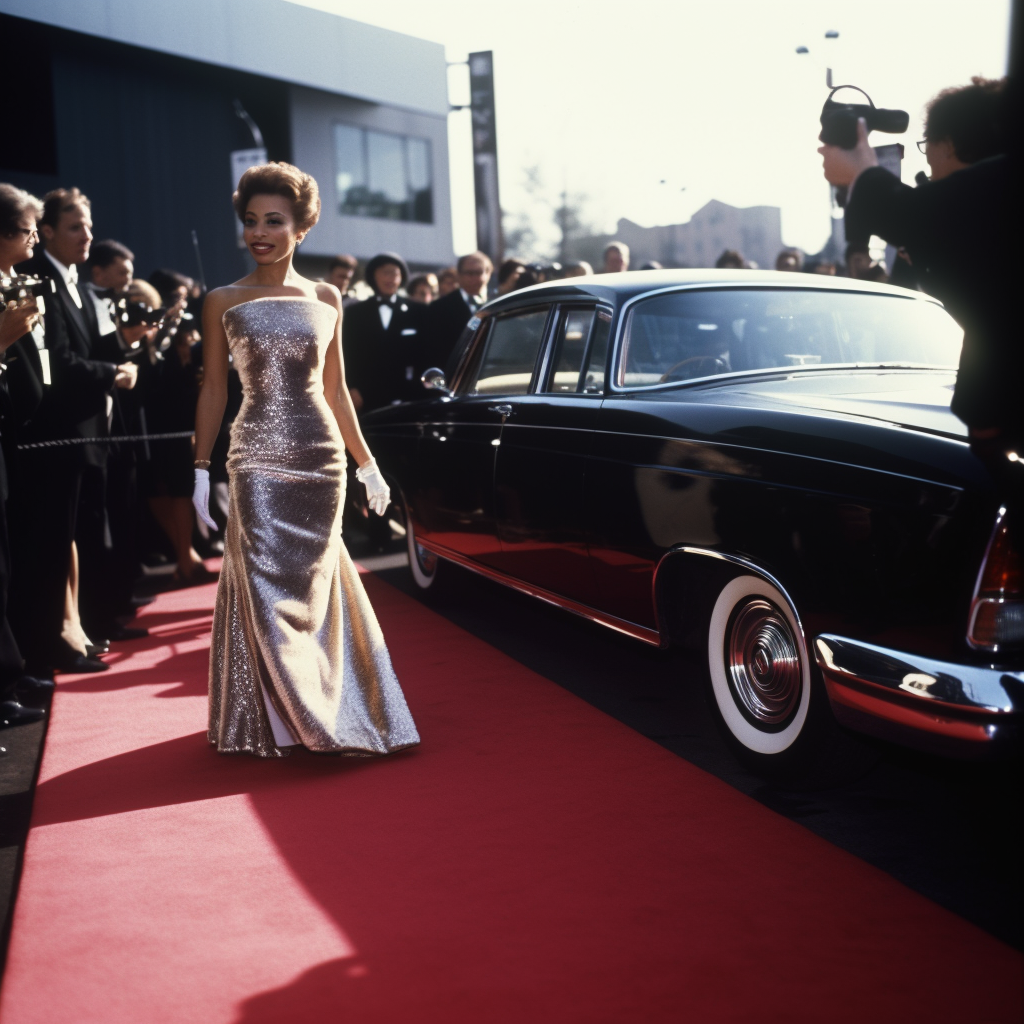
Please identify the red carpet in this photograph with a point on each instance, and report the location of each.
(533, 862)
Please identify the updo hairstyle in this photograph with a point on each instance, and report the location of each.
(280, 179)
(14, 202)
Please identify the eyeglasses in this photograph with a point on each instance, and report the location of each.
(921, 146)
(29, 232)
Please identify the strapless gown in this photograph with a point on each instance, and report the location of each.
(297, 655)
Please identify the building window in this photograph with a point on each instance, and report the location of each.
(383, 175)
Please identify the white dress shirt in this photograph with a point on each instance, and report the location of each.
(473, 301)
(70, 277)
(103, 317)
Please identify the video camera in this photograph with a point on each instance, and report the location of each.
(839, 120)
(24, 286)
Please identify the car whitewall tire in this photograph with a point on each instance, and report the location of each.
(422, 563)
(759, 665)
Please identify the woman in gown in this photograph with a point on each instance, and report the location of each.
(297, 656)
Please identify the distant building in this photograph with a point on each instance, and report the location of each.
(134, 102)
(755, 231)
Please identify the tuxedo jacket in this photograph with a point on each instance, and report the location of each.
(22, 392)
(75, 403)
(383, 365)
(959, 233)
(446, 320)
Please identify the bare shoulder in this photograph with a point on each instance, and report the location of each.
(223, 298)
(329, 293)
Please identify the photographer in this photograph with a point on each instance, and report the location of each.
(170, 383)
(75, 406)
(947, 225)
(21, 391)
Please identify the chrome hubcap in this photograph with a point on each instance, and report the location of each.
(427, 559)
(763, 663)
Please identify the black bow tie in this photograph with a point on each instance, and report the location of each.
(389, 300)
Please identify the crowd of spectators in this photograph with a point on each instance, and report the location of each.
(97, 358)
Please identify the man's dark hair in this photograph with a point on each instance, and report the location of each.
(349, 262)
(102, 254)
(62, 200)
(166, 282)
(969, 117)
(731, 259)
(508, 268)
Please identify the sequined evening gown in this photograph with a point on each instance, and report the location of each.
(297, 655)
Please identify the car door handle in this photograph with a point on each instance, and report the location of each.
(502, 410)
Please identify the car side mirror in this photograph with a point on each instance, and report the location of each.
(433, 380)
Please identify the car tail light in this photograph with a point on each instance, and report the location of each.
(997, 611)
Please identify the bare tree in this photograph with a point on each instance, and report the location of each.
(564, 210)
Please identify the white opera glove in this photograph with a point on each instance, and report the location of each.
(378, 494)
(201, 497)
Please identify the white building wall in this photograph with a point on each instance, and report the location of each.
(313, 116)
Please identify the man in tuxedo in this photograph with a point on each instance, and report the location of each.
(380, 340)
(21, 390)
(381, 337)
(108, 574)
(45, 511)
(15, 686)
(447, 317)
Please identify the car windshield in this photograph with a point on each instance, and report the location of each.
(684, 335)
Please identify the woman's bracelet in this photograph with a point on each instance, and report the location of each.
(202, 463)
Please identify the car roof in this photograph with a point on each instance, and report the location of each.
(617, 288)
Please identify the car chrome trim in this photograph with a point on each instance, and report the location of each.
(934, 687)
(763, 663)
(648, 636)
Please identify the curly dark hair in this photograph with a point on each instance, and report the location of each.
(969, 117)
(280, 179)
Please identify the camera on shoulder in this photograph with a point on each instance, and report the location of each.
(839, 120)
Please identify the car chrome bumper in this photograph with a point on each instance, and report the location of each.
(937, 705)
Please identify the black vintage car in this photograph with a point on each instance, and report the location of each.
(761, 464)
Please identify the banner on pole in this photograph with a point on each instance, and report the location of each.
(485, 155)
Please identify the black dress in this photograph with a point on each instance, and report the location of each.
(172, 390)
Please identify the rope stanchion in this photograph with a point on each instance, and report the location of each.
(65, 441)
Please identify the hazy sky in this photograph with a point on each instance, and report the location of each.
(611, 98)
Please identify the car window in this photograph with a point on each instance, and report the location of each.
(685, 335)
(593, 377)
(509, 354)
(571, 337)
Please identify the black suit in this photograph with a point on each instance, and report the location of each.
(44, 505)
(959, 233)
(446, 320)
(21, 392)
(383, 365)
